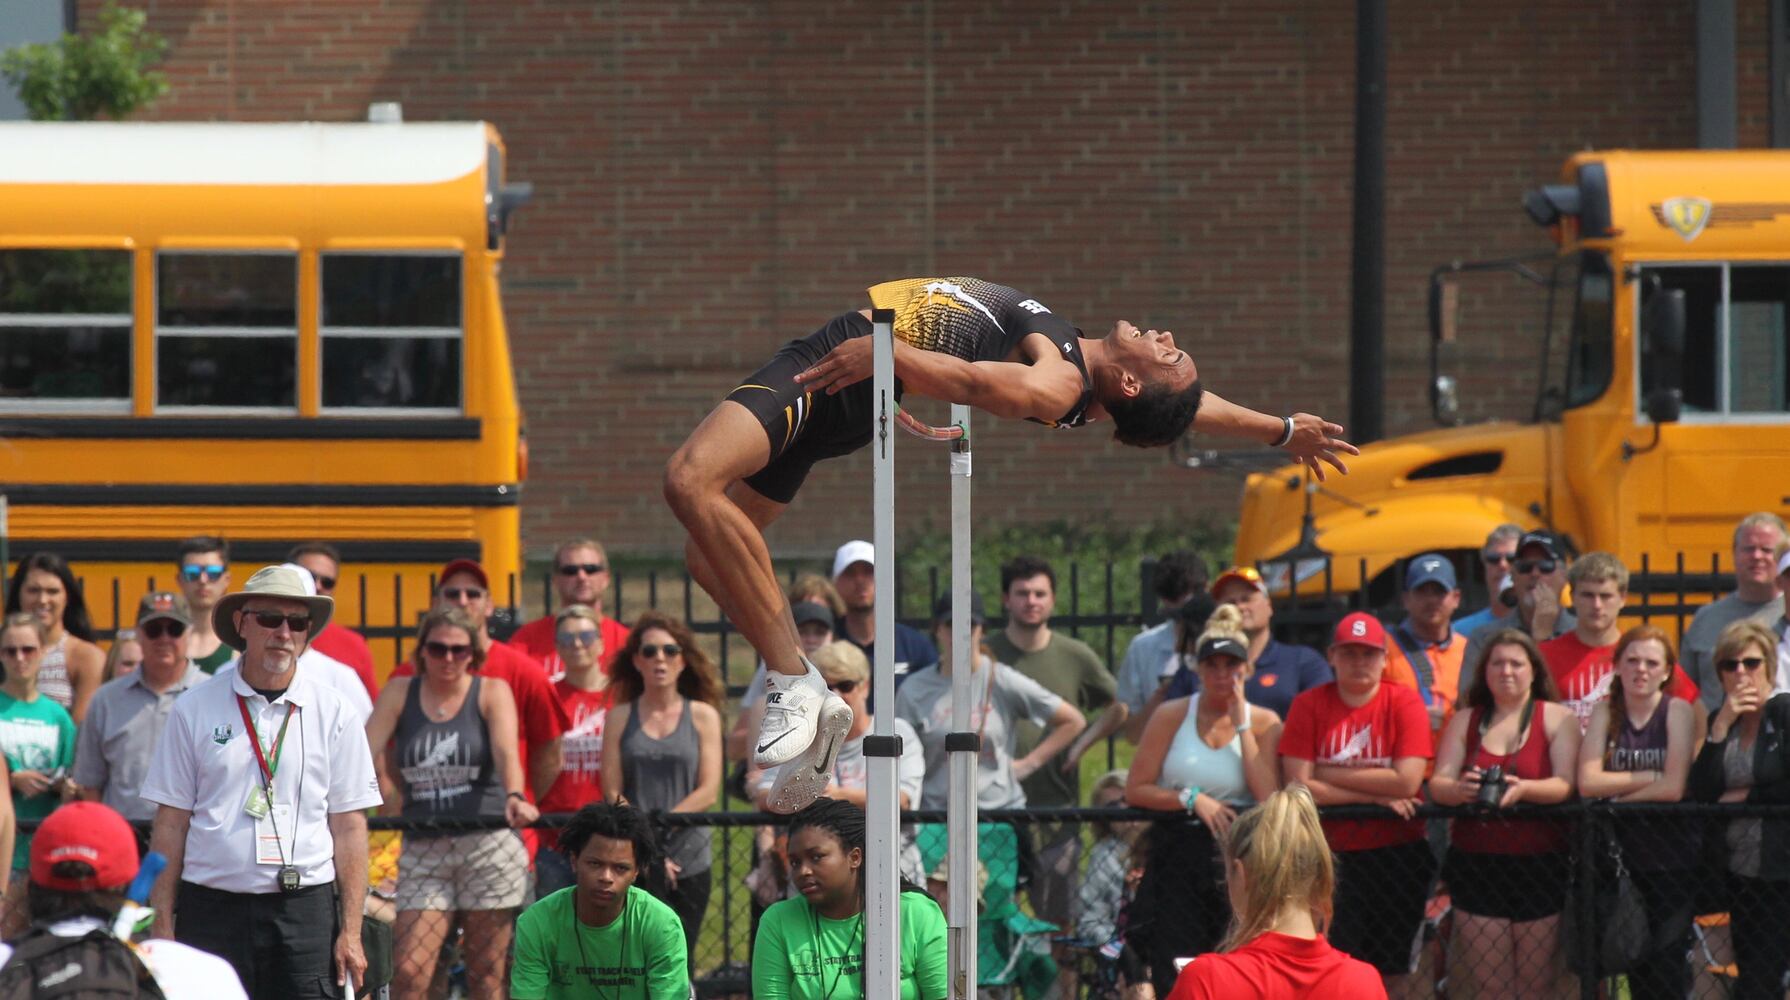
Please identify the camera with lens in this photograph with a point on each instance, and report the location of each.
(1491, 788)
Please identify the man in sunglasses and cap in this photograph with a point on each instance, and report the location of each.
(1538, 584)
(262, 775)
(127, 714)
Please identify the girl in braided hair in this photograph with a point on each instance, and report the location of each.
(811, 947)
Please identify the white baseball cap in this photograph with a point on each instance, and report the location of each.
(855, 551)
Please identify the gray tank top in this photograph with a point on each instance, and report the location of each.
(658, 774)
(52, 675)
(446, 766)
(1664, 843)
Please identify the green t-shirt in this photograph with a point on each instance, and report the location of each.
(35, 736)
(640, 955)
(211, 661)
(791, 961)
(1071, 670)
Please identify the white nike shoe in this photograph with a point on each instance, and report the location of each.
(791, 715)
(801, 780)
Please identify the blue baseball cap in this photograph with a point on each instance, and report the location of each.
(1431, 567)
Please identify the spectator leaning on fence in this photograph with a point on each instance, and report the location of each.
(580, 576)
(1639, 749)
(585, 692)
(464, 585)
(1513, 743)
(603, 936)
(1001, 696)
(1208, 755)
(1538, 585)
(324, 563)
(663, 753)
(127, 715)
(1279, 875)
(1582, 661)
(263, 776)
(1746, 758)
(812, 947)
(38, 740)
(1359, 741)
(1178, 576)
(1279, 671)
(1426, 651)
(203, 567)
(44, 586)
(1495, 557)
(83, 858)
(1757, 539)
(444, 743)
(1070, 669)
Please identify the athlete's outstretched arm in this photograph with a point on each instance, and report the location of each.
(1315, 440)
(1044, 390)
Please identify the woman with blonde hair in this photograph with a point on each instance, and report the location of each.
(1747, 759)
(1280, 877)
(1205, 756)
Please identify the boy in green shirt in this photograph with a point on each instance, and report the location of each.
(602, 937)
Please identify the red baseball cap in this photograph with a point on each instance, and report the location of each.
(470, 566)
(89, 832)
(1359, 629)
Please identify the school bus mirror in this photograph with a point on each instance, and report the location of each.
(1662, 326)
(1547, 204)
(1664, 406)
(1446, 329)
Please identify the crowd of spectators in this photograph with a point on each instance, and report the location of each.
(1543, 695)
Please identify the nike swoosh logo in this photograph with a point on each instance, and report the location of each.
(762, 747)
(821, 767)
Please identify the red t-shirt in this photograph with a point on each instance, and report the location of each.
(540, 639)
(1279, 967)
(581, 776)
(540, 717)
(347, 645)
(1323, 729)
(1583, 673)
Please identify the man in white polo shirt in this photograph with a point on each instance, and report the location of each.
(261, 776)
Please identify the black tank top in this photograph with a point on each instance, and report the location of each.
(446, 766)
(978, 320)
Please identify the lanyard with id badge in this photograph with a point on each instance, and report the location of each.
(267, 813)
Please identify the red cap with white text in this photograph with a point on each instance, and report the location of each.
(1359, 629)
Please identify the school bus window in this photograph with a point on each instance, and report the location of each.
(1758, 339)
(391, 331)
(226, 330)
(1700, 366)
(65, 330)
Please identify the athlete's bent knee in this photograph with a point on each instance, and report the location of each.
(687, 484)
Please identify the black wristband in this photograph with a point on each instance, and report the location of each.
(517, 795)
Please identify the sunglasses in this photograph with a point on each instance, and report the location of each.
(324, 582)
(843, 687)
(448, 651)
(272, 619)
(159, 627)
(588, 569)
(17, 650)
(1533, 565)
(1497, 558)
(1728, 666)
(670, 650)
(587, 637)
(210, 574)
(462, 593)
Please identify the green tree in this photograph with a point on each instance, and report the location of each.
(82, 77)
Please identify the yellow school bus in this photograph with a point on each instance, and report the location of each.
(268, 332)
(1661, 415)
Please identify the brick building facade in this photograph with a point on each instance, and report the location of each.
(715, 177)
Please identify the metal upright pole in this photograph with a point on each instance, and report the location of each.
(962, 743)
(882, 749)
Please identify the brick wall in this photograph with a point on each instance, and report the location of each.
(715, 177)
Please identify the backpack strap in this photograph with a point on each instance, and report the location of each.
(1419, 658)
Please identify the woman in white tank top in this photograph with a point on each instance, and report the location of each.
(44, 586)
(1207, 755)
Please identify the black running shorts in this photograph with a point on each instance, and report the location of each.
(806, 427)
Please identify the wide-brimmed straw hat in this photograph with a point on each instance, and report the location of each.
(271, 581)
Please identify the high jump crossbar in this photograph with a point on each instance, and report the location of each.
(882, 748)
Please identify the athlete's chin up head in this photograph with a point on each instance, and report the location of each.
(1156, 416)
